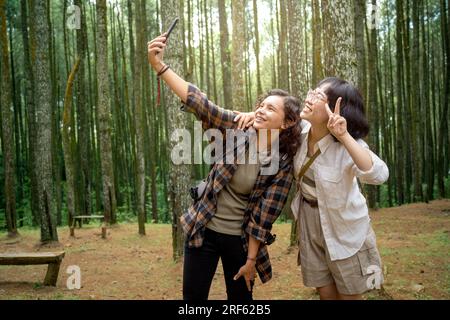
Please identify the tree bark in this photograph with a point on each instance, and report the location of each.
(44, 123)
(179, 181)
(237, 56)
(338, 38)
(68, 143)
(138, 117)
(283, 79)
(297, 55)
(7, 119)
(104, 116)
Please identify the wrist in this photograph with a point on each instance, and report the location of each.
(158, 66)
(251, 260)
(345, 138)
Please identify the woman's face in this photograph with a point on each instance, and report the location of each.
(270, 114)
(314, 109)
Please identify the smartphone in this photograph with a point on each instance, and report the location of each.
(172, 26)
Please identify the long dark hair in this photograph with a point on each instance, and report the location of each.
(289, 137)
(352, 105)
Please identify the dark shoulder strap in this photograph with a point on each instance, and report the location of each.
(307, 165)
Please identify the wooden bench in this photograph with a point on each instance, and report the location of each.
(80, 219)
(53, 259)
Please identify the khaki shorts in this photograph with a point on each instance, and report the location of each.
(351, 275)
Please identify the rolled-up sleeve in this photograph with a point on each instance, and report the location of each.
(378, 174)
(211, 115)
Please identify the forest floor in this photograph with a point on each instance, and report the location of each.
(414, 242)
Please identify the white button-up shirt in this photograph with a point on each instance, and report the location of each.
(344, 214)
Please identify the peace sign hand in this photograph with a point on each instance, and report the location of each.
(336, 123)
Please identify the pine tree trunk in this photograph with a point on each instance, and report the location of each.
(283, 68)
(360, 47)
(30, 108)
(104, 116)
(44, 125)
(7, 118)
(258, 70)
(179, 181)
(443, 123)
(68, 143)
(138, 116)
(237, 56)
(338, 38)
(400, 112)
(416, 104)
(317, 69)
(372, 103)
(297, 55)
(83, 117)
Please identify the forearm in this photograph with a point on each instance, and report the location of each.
(178, 85)
(253, 246)
(360, 155)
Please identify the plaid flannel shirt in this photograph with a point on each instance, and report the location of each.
(266, 200)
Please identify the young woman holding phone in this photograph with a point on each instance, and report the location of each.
(233, 219)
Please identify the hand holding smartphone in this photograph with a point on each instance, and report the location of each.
(172, 26)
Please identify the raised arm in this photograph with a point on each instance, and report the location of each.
(155, 54)
(195, 101)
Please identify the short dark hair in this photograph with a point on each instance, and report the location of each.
(289, 137)
(352, 105)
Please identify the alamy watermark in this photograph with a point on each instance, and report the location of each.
(74, 280)
(73, 21)
(373, 16)
(228, 148)
(374, 280)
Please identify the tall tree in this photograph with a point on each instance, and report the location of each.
(237, 57)
(43, 98)
(138, 118)
(416, 103)
(283, 79)
(339, 57)
(104, 116)
(299, 85)
(30, 110)
(317, 71)
(178, 179)
(372, 102)
(7, 119)
(258, 70)
(443, 139)
(360, 46)
(400, 109)
(69, 144)
(83, 116)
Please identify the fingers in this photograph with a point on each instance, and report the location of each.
(161, 38)
(330, 120)
(156, 44)
(337, 108)
(249, 286)
(339, 122)
(241, 123)
(240, 119)
(154, 50)
(237, 276)
(335, 121)
(243, 120)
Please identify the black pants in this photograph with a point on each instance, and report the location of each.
(200, 265)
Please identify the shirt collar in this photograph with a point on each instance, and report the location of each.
(323, 143)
